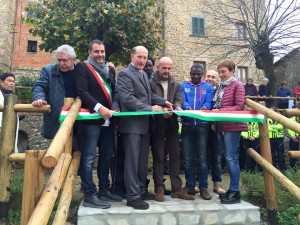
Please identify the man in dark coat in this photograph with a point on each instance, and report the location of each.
(56, 82)
(135, 95)
(93, 85)
(164, 85)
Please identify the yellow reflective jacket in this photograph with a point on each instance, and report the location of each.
(275, 129)
(252, 131)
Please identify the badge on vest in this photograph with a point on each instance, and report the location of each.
(186, 90)
(203, 91)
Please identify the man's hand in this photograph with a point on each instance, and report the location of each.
(116, 110)
(156, 108)
(39, 103)
(105, 112)
(178, 108)
(188, 108)
(203, 108)
(167, 116)
(169, 105)
(111, 66)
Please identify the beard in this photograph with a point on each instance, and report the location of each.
(164, 76)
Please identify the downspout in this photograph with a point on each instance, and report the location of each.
(163, 25)
(14, 36)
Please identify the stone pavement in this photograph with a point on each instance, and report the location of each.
(172, 212)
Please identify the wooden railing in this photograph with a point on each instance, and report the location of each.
(38, 201)
(265, 159)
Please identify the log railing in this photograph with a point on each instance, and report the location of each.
(265, 159)
(38, 201)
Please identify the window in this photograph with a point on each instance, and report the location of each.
(32, 46)
(202, 63)
(240, 31)
(198, 28)
(242, 73)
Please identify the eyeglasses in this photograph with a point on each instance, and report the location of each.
(63, 60)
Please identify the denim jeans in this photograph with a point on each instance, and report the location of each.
(90, 137)
(194, 143)
(231, 145)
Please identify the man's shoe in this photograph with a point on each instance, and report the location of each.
(182, 195)
(219, 190)
(232, 198)
(205, 194)
(93, 201)
(159, 196)
(148, 196)
(108, 196)
(190, 191)
(138, 204)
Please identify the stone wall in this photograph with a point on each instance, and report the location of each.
(185, 48)
(30, 133)
(288, 69)
(7, 15)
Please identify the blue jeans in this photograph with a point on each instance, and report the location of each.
(231, 146)
(194, 143)
(90, 137)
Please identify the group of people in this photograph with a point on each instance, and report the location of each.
(277, 134)
(264, 91)
(138, 88)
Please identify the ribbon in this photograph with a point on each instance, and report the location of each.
(205, 115)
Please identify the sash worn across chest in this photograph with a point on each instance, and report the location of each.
(103, 83)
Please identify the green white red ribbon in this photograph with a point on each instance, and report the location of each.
(205, 115)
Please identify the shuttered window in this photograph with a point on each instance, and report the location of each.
(198, 28)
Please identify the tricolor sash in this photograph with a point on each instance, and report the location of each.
(103, 83)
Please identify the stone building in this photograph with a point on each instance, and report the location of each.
(19, 51)
(288, 68)
(189, 29)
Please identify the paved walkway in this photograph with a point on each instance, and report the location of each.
(172, 212)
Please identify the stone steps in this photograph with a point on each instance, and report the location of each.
(172, 212)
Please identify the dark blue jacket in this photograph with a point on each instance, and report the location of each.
(50, 87)
(283, 92)
(196, 96)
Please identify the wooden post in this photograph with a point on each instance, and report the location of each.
(29, 108)
(265, 147)
(7, 143)
(57, 145)
(17, 157)
(33, 182)
(294, 154)
(68, 146)
(42, 211)
(291, 112)
(66, 195)
(283, 180)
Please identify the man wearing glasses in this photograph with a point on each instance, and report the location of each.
(56, 82)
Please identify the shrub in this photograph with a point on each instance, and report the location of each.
(23, 88)
(288, 205)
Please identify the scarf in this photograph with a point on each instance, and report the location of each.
(220, 91)
(101, 68)
(5, 91)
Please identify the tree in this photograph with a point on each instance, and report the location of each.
(120, 24)
(263, 28)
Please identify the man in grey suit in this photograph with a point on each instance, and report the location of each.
(135, 95)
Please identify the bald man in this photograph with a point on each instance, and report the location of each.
(135, 95)
(165, 86)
